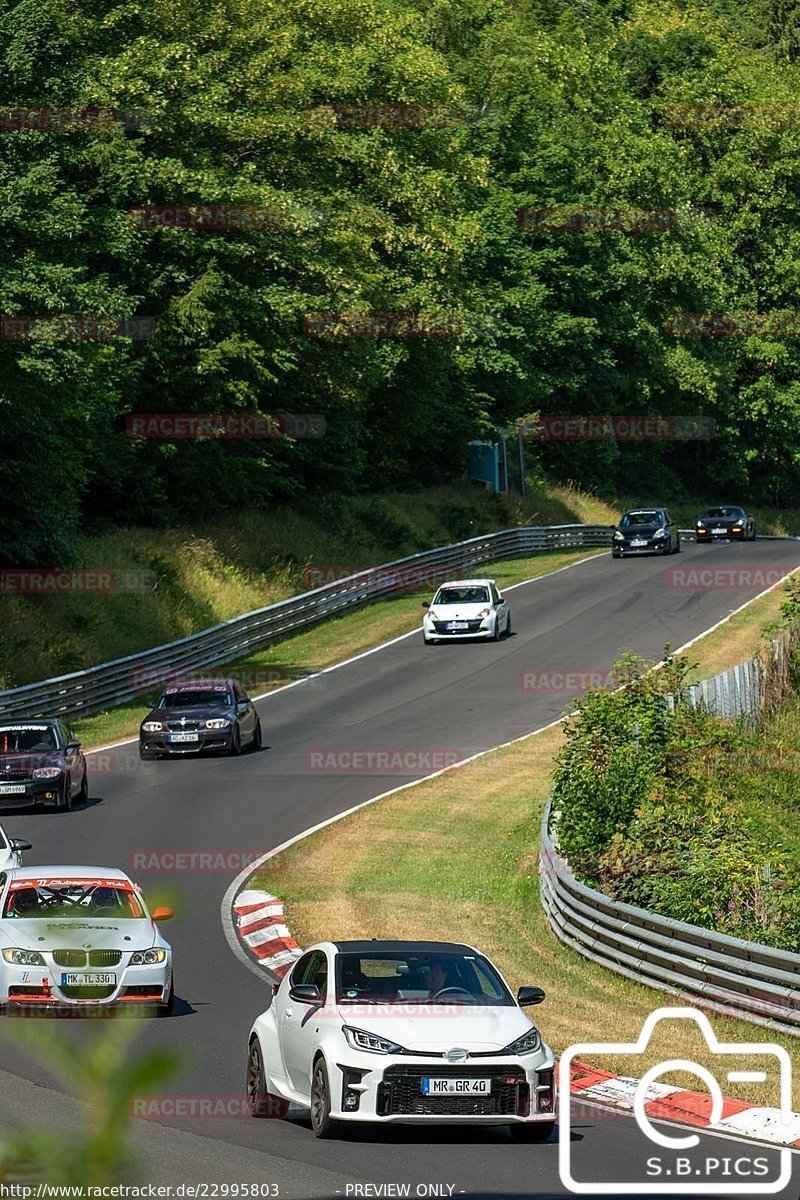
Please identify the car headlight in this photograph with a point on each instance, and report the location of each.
(147, 958)
(23, 958)
(659, 533)
(47, 772)
(431, 614)
(700, 528)
(360, 1039)
(152, 726)
(739, 525)
(485, 612)
(218, 723)
(619, 536)
(529, 1043)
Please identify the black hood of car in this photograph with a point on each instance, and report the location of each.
(719, 522)
(192, 712)
(29, 760)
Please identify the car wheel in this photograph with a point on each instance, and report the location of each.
(321, 1121)
(147, 755)
(508, 626)
(496, 632)
(426, 641)
(538, 1131)
(678, 546)
(260, 1102)
(616, 554)
(256, 742)
(236, 742)
(753, 534)
(83, 794)
(66, 799)
(165, 1009)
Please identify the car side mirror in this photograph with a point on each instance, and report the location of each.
(305, 993)
(20, 844)
(529, 995)
(240, 704)
(162, 913)
(427, 603)
(73, 745)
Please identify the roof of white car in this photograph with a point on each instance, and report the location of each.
(467, 583)
(62, 872)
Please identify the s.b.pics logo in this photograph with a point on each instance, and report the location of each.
(670, 1161)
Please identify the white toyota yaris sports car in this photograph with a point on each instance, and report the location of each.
(409, 1032)
(73, 937)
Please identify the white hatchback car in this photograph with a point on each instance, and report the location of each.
(466, 608)
(409, 1032)
(72, 937)
(11, 850)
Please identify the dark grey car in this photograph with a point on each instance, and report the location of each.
(209, 714)
(41, 765)
(646, 531)
(725, 521)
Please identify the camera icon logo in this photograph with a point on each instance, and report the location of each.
(674, 1172)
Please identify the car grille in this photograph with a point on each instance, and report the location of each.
(186, 727)
(87, 993)
(441, 627)
(400, 1093)
(69, 958)
(79, 958)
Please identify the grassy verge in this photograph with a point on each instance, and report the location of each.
(738, 639)
(329, 642)
(407, 867)
(193, 578)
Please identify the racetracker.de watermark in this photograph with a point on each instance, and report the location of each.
(72, 120)
(398, 325)
(567, 218)
(726, 578)
(570, 427)
(208, 217)
(566, 680)
(252, 679)
(741, 324)
(65, 328)
(408, 578)
(168, 860)
(354, 760)
(392, 115)
(208, 1107)
(177, 426)
(733, 116)
(55, 581)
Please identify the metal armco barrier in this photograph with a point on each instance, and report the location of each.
(732, 977)
(84, 693)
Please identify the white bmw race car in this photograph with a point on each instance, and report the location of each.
(466, 608)
(74, 937)
(410, 1032)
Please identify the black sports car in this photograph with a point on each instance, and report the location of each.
(41, 763)
(210, 714)
(726, 521)
(646, 531)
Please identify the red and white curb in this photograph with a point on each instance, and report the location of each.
(263, 931)
(684, 1108)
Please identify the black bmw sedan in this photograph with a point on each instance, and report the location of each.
(212, 714)
(41, 765)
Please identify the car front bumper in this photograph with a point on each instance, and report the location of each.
(392, 1092)
(475, 631)
(41, 987)
(207, 739)
(708, 536)
(651, 546)
(48, 792)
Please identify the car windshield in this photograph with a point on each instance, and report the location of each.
(27, 739)
(413, 978)
(196, 698)
(726, 511)
(462, 595)
(77, 899)
(651, 516)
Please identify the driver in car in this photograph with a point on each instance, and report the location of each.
(437, 976)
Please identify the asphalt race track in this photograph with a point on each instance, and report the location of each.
(459, 697)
